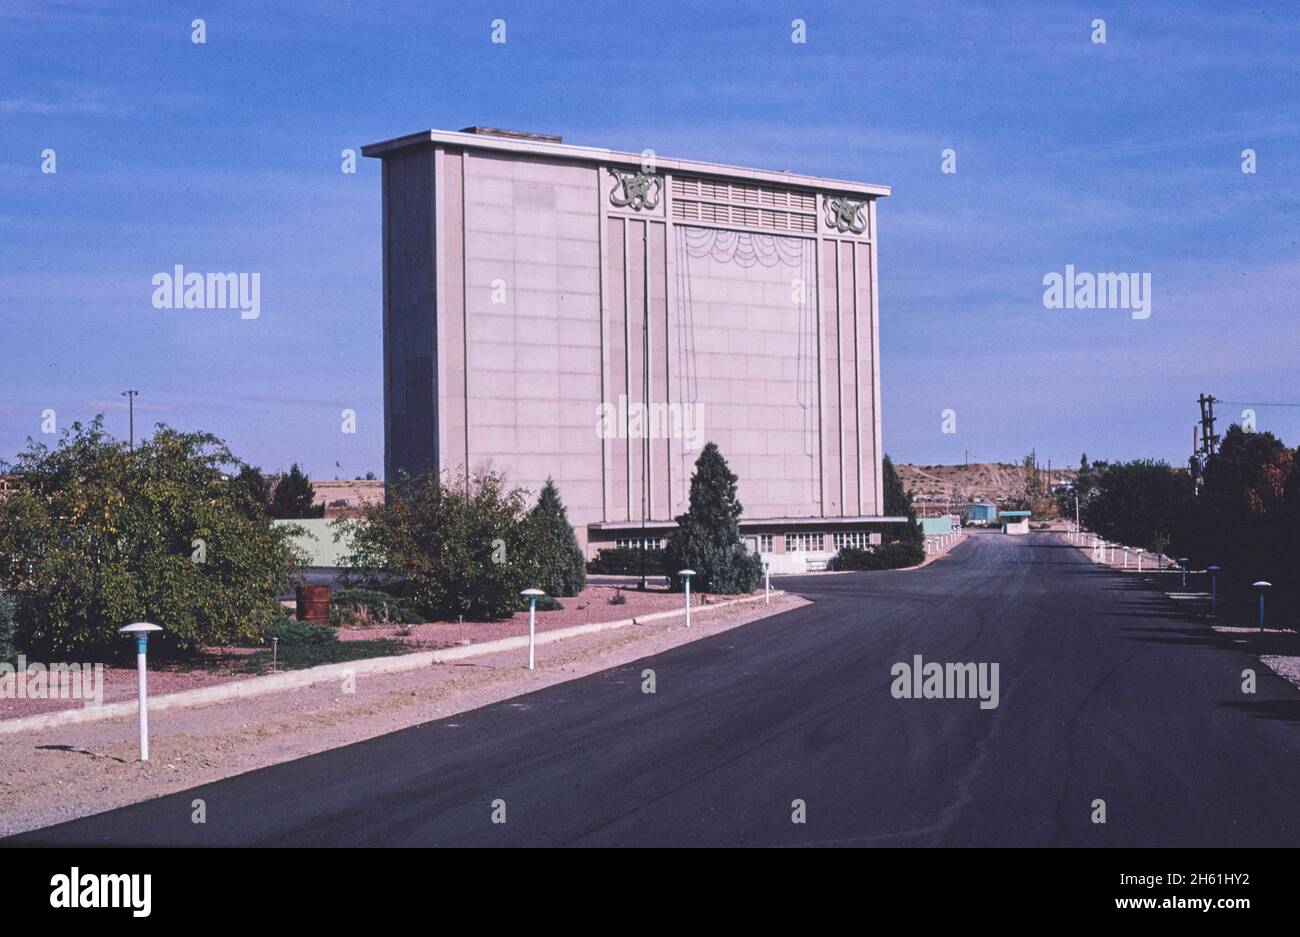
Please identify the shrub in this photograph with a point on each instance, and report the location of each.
(303, 644)
(292, 631)
(545, 603)
(707, 537)
(451, 546)
(97, 536)
(626, 561)
(366, 606)
(896, 555)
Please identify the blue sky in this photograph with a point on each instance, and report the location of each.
(225, 156)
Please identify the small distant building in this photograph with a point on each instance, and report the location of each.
(1015, 522)
(936, 526)
(315, 540)
(981, 514)
(9, 483)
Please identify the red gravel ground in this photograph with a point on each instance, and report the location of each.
(589, 607)
(592, 605)
(119, 684)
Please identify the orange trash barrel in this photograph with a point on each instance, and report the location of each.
(314, 604)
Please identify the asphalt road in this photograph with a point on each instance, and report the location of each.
(1105, 693)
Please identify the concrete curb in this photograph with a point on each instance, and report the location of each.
(274, 683)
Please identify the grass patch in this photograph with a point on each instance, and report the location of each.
(362, 608)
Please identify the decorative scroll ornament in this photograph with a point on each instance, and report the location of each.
(846, 215)
(636, 189)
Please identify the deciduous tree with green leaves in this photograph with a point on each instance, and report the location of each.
(453, 545)
(96, 536)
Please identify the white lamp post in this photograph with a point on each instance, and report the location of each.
(1140, 551)
(1261, 586)
(767, 584)
(1182, 562)
(686, 575)
(141, 631)
(532, 620)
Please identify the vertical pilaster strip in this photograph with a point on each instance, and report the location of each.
(464, 308)
(821, 396)
(603, 241)
(671, 329)
(875, 352)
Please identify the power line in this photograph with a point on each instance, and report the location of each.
(1244, 403)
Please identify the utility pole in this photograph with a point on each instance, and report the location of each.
(130, 396)
(645, 395)
(1209, 439)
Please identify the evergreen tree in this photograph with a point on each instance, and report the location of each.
(898, 503)
(561, 569)
(707, 538)
(294, 496)
(252, 484)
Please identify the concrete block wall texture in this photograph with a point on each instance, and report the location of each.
(525, 287)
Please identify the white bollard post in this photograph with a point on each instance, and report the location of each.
(1126, 557)
(140, 630)
(1262, 586)
(767, 584)
(686, 575)
(532, 621)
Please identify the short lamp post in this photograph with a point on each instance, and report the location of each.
(1182, 563)
(1139, 552)
(532, 621)
(767, 584)
(1126, 557)
(140, 630)
(1262, 586)
(1214, 584)
(686, 575)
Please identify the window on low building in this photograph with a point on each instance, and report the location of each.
(803, 543)
(857, 539)
(635, 544)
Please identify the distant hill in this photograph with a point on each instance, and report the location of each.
(980, 481)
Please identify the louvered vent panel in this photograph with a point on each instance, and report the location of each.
(751, 206)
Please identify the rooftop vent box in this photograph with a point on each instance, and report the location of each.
(513, 134)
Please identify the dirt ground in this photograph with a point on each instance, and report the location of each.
(591, 606)
(61, 773)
